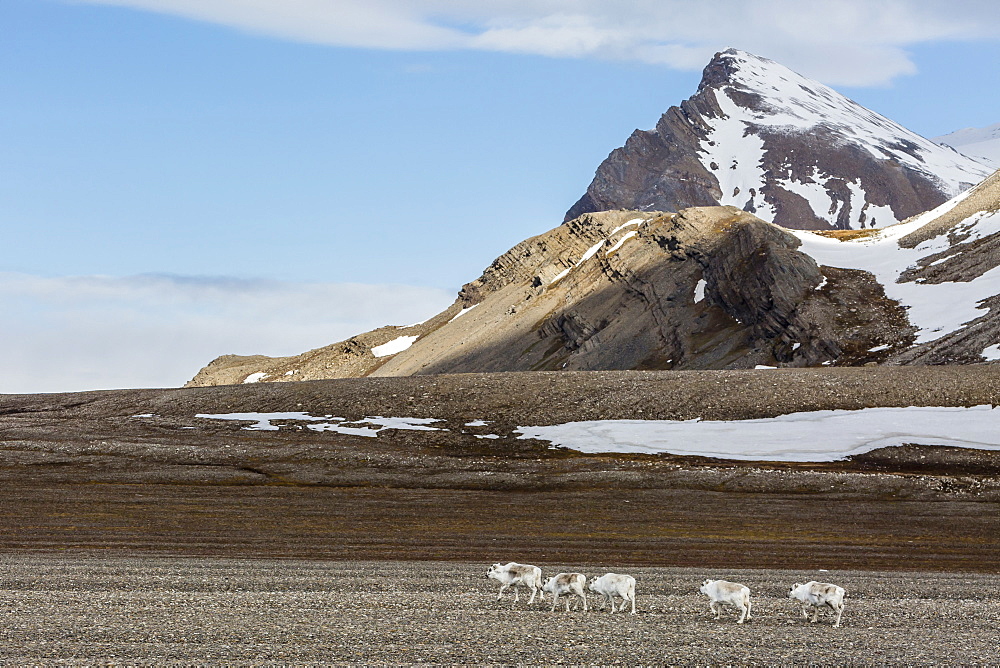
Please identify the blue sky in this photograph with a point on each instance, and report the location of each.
(166, 160)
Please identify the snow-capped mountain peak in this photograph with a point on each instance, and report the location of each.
(982, 143)
(800, 104)
(787, 148)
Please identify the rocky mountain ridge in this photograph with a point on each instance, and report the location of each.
(704, 288)
(788, 149)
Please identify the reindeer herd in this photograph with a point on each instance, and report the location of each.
(611, 587)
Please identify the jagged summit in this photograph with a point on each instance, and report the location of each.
(789, 149)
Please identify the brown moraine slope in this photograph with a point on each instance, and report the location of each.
(135, 472)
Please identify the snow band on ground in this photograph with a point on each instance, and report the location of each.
(818, 436)
(262, 421)
(369, 426)
(380, 424)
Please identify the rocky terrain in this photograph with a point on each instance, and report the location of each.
(788, 149)
(706, 288)
(101, 610)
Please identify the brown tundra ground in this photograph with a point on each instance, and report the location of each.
(134, 532)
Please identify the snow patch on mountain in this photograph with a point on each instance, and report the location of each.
(561, 275)
(991, 353)
(397, 345)
(629, 223)
(463, 312)
(621, 242)
(810, 188)
(936, 309)
(699, 290)
(593, 250)
(734, 155)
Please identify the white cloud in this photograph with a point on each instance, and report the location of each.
(842, 42)
(96, 332)
(364, 23)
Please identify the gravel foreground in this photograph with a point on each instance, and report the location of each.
(87, 610)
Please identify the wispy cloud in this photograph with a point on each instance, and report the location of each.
(95, 332)
(850, 42)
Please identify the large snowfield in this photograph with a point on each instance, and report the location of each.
(817, 436)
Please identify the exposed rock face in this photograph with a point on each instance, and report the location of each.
(786, 148)
(708, 288)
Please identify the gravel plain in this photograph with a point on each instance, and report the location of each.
(134, 533)
(103, 610)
